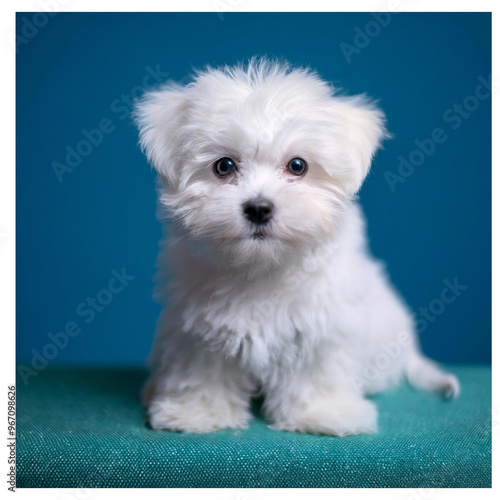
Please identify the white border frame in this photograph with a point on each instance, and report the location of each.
(7, 218)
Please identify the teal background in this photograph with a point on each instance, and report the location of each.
(79, 69)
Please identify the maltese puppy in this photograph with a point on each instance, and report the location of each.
(272, 287)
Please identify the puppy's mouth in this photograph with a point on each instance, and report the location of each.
(260, 234)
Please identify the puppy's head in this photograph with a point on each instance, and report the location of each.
(257, 161)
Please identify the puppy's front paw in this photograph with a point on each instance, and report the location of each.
(196, 413)
(338, 417)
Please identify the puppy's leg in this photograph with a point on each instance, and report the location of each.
(337, 413)
(202, 392)
(319, 401)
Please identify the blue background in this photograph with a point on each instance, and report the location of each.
(78, 69)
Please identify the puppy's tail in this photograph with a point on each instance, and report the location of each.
(425, 375)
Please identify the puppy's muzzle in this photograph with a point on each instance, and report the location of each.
(259, 211)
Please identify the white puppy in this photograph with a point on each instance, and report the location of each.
(272, 285)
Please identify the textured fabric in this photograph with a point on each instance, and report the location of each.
(86, 428)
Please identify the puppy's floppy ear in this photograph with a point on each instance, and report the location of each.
(363, 129)
(158, 116)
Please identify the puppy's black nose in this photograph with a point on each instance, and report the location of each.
(258, 211)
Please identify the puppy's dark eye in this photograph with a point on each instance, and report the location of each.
(297, 166)
(224, 166)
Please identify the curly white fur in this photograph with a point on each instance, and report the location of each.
(298, 313)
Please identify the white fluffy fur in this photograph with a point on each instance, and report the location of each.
(300, 314)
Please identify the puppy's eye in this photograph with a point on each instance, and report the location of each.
(297, 166)
(224, 166)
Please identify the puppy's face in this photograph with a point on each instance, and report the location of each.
(257, 162)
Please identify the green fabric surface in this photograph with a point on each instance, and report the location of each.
(86, 428)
